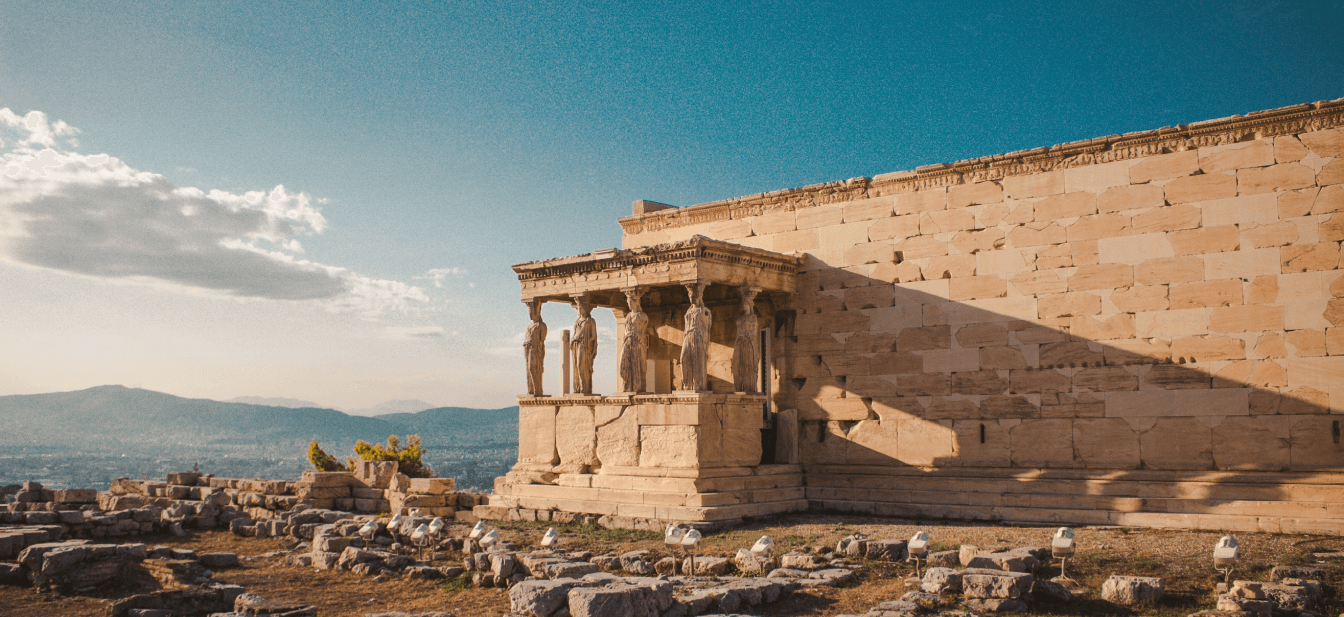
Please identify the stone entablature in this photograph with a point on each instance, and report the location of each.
(1257, 125)
(603, 274)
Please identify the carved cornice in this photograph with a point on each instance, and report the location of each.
(675, 398)
(1271, 123)
(693, 249)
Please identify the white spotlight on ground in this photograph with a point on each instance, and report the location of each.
(689, 542)
(918, 547)
(478, 530)
(1061, 547)
(763, 547)
(551, 538)
(1225, 555)
(490, 539)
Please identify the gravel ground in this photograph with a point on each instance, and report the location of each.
(1180, 557)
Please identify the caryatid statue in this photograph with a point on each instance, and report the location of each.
(695, 341)
(584, 346)
(534, 347)
(746, 351)
(635, 346)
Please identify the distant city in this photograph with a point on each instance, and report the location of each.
(88, 438)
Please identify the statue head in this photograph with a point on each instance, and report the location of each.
(534, 310)
(697, 293)
(585, 309)
(632, 298)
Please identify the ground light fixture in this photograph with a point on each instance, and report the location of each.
(1225, 555)
(551, 538)
(436, 526)
(369, 530)
(478, 531)
(918, 547)
(672, 539)
(490, 539)
(763, 547)
(420, 537)
(689, 542)
(1062, 547)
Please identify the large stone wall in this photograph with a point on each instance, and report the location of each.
(1140, 329)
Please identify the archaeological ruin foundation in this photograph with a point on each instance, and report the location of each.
(1141, 329)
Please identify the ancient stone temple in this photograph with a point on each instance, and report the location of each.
(1142, 329)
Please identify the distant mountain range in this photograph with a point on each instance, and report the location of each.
(111, 423)
(386, 407)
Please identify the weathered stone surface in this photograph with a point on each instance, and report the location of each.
(1050, 592)
(886, 550)
(988, 583)
(940, 580)
(1006, 561)
(1133, 590)
(996, 605)
(540, 598)
(1279, 573)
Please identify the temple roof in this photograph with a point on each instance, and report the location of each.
(602, 274)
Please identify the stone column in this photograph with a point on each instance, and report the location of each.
(583, 345)
(564, 365)
(746, 349)
(534, 348)
(634, 344)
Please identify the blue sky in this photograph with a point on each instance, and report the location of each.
(438, 143)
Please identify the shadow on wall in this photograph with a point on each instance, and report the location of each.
(896, 384)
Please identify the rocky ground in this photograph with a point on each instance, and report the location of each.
(1181, 558)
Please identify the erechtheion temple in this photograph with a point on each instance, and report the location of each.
(1142, 329)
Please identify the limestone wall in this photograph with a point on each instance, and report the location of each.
(1160, 309)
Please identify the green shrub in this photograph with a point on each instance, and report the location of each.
(407, 458)
(322, 461)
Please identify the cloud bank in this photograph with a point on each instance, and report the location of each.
(94, 215)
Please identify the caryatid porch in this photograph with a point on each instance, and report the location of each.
(692, 436)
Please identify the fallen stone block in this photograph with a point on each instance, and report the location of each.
(801, 561)
(996, 605)
(1230, 603)
(1006, 561)
(568, 569)
(251, 604)
(886, 550)
(995, 584)
(209, 598)
(750, 564)
(944, 559)
(707, 566)
(1304, 572)
(1133, 590)
(325, 561)
(1050, 592)
(176, 572)
(833, 576)
(940, 580)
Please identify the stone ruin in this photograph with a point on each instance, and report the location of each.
(1143, 329)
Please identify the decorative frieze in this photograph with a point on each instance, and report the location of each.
(1283, 121)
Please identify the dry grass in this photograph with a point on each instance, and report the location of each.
(1180, 557)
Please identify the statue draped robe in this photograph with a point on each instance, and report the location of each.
(634, 350)
(695, 348)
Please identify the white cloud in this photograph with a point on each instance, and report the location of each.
(439, 274)
(94, 215)
(414, 332)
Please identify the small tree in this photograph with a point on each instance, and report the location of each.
(407, 458)
(322, 461)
